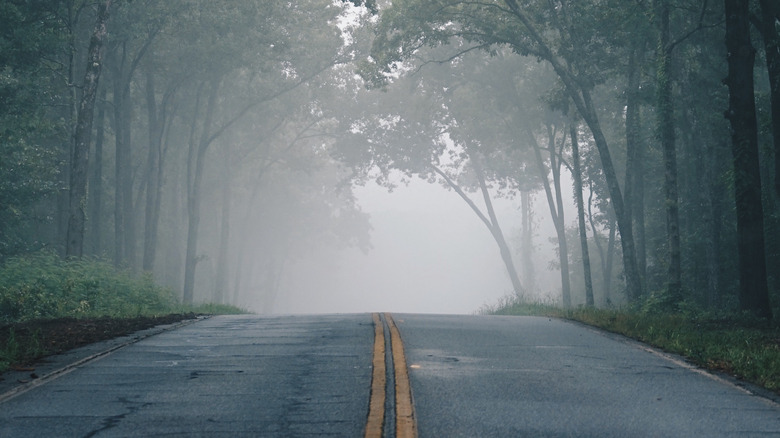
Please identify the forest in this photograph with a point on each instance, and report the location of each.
(209, 144)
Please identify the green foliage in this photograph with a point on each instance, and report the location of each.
(42, 285)
(13, 349)
(740, 345)
(30, 128)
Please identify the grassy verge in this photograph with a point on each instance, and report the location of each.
(739, 345)
(47, 304)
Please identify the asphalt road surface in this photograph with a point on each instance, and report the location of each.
(470, 376)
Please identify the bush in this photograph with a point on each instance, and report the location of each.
(42, 286)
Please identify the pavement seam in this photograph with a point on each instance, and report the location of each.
(52, 375)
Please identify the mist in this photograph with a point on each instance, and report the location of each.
(244, 157)
(430, 254)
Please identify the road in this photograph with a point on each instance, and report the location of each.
(337, 375)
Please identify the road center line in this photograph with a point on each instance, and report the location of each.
(405, 424)
(376, 407)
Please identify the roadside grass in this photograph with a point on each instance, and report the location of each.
(43, 287)
(739, 345)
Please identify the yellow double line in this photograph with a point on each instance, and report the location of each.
(405, 425)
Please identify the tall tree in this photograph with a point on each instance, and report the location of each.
(577, 61)
(286, 61)
(741, 113)
(768, 24)
(666, 134)
(555, 202)
(74, 246)
(577, 176)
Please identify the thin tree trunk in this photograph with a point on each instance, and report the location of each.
(610, 260)
(95, 196)
(224, 232)
(596, 234)
(667, 137)
(194, 196)
(575, 151)
(529, 274)
(490, 221)
(74, 246)
(579, 92)
(753, 289)
(157, 120)
(120, 162)
(556, 211)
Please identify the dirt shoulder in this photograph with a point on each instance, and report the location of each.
(32, 341)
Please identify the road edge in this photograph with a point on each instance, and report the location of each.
(51, 367)
(684, 362)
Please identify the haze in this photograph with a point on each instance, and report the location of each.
(243, 152)
(430, 254)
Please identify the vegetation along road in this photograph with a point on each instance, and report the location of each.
(350, 375)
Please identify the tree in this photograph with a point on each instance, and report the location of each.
(753, 290)
(577, 174)
(439, 125)
(288, 64)
(33, 124)
(767, 24)
(74, 246)
(541, 30)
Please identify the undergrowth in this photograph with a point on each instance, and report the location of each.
(43, 286)
(737, 344)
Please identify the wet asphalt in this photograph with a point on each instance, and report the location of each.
(471, 376)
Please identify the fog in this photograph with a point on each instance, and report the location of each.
(431, 254)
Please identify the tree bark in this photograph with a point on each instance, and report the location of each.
(634, 187)
(95, 196)
(668, 145)
(80, 162)
(741, 113)
(770, 15)
(575, 152)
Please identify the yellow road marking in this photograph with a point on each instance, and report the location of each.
(376, 407)
(405, 424)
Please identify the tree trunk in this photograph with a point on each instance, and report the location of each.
(224, 231)
(120, 164)
(556, 210)
(157, 120)
(194, 196)
(579, 91)
(96, 182)
(529, 274)
(575, 152)
(490, 221)
(74, 246)
(495, 229)
(753, 289)
(634, 187)
(610, 260)
(667, 138)
(770, 14)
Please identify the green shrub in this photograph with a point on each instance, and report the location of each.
(42, 286)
